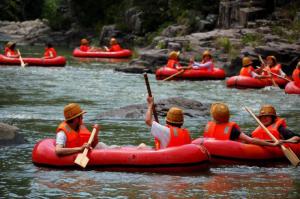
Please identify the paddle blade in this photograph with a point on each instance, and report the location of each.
(291, 156)
(82, 160)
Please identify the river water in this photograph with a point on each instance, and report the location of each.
(33, 99)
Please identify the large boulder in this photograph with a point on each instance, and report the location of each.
(191, 108)
(9, 135)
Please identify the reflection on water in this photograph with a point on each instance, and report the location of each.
(33, 100)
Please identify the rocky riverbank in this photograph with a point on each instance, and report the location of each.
(9, 135)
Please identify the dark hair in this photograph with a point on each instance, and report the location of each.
(173, 124)
(49, 45)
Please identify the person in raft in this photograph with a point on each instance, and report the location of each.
(71, 135)
(272, 66)
(206, 63)
(85, 46)
(248, 70)
(296, 75)
(10, 51)
(222, 129)
(114, 46)
(170, 135)
(173, 60)
(50, 52)
(276, 125)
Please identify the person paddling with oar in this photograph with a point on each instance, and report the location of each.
(71, 135)
(10, 50)
(170, 135)
(276, 125)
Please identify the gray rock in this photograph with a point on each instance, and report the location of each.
(191, 108)
(9, 135)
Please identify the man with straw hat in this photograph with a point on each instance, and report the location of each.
(276, 125)
(206, 63)
(72, 135)
(173, 60)
(172, 134)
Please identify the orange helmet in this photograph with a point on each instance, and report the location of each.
(175, 116)
(220, 112)
(247, 61)
(113, 41)
(72, 111)
(268, 110)
(273, 58)
(206, 53)
(84, 41)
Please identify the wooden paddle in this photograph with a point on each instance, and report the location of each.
(289, 154)
(150, 95)
(178, 73)
(269, 72)
(21, 60)
(280, 76)
(82, 158)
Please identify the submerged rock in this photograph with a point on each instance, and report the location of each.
(9, 135)
(191, 108)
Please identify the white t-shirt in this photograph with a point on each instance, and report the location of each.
(61, 138)
(162, 133)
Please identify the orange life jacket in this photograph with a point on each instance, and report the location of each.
(115, 47)
(173, 63)
(276, 69)
(273, 128)
(47, 52)
(178, 137)
(296, 76)
(84, 48)
(246, 71)
(10, 52)
(219, 131)
(76, 139)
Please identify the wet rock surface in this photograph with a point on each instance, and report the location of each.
(9, 135)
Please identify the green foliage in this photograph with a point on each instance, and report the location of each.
(290, 32)
(253, 39)
(56, 19)
(224, 43)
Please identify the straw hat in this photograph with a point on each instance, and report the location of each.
(10, 44)
(72, 111)
(247, 61)
(220, 112)
(175, 116)
(84, 41)
(113, 41)
(206, 53)
(267, 110)
(174, 54)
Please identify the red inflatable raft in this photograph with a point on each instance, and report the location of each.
(292, 88)
(175, 159)
(191, 74)
(249, 82)
(227, 151)
(57, 61)
(102, 54)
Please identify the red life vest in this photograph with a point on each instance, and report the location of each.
(273, 128)
(10, 52)
(173, 63)
(276, 69)
(76, 139)
(84, 48)
(115, 47)
(219, 131)
(178, 137)
(296, 76)
(246, 71)
(48, 52)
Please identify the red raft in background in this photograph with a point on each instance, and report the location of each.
(249, 82)
(184, 158)
(102, 54)
(58, 61)
(227, 151)
(292, 88)
(190, 74)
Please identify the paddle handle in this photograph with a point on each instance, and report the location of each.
(21, 60)
(170, 77)
(86, 150)
(150, 95)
